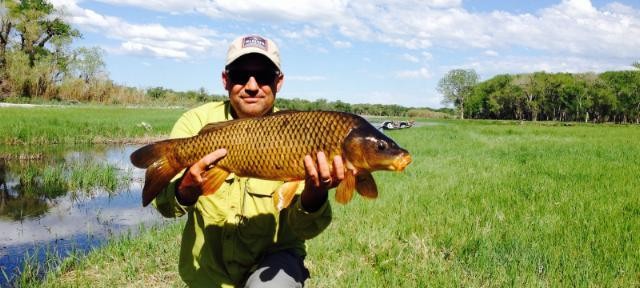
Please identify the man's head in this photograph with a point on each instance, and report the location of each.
(252, 75)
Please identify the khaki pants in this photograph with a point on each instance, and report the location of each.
(281, 269)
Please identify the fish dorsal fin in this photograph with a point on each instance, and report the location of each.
(344, 192)
(217, 125)
(283, 112)
(366, 186)
(213, 179)
(284, 195)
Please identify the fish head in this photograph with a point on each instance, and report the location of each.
(367, 148)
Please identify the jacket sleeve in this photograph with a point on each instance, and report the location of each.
(308, 225)
(166, 203)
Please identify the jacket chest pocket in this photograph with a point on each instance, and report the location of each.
(261, 216)
(259, 195)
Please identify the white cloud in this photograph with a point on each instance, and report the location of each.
(271, 10)
(570, 36)
(171, 6)
(341, 44)
(306, 33)
(145, 49)
(144, 39)
(525, 64)
(491, 53)
(572, 27)
(410, 58)
(412, 74)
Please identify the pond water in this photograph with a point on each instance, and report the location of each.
(66, 199)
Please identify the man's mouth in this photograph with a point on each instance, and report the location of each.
(251, 99)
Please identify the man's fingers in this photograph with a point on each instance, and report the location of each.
(323, 169)
(320, 172)
(310, 167)
(338, 167)
(213, 157)
(205, 163)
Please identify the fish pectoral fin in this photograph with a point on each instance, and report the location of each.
(283, 196)
(366, 186)
(160, 170)
(344, 192)
(213, 179)
(157, 177)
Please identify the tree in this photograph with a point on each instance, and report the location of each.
(7, 13)
(636, 64)
(37, 23)
(87, 63)
(35, 31)
(456, 86)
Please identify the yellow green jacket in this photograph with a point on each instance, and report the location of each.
(228, 232)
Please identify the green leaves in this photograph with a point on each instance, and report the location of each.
(612, 96)
(456, 86)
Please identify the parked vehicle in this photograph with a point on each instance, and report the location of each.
(390, 125)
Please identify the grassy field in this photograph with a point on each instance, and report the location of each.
(83, 124)
(483, 204)
(495, 204)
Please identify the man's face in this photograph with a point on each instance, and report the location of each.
(252, 83)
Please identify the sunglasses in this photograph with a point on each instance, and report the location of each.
(263, 77)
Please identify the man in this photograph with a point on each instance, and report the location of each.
(235, 236)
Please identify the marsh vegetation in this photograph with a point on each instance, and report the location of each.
(483, 204)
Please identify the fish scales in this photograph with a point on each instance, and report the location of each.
(271, 147)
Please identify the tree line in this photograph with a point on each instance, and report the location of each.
(38, 63)
(612, 96)
(392, 110)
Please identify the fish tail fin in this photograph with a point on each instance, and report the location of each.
(160, 170)
(213, 179)
(149, 154)
(344, 192)
(284, 195)
(366, 186)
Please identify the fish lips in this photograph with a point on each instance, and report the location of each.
(401, 162)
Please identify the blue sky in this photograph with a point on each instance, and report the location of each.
(357, 51)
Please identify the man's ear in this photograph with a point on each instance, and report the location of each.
(225, 80)
(279, 82)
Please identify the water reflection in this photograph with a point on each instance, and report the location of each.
(67, 198)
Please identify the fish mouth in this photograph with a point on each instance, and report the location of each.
(401, 162)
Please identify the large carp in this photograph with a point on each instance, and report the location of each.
(273, 147)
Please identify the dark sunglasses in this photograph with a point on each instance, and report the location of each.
(263, 77)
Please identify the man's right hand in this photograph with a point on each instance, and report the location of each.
(190, 187)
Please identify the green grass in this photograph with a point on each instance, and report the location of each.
(494, 205)
(483, 204)
(147, 259)
(83, 124)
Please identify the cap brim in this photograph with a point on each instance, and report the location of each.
(251, 50)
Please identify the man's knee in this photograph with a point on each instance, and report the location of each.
(280, 269)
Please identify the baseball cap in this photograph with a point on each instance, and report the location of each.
(253, 44)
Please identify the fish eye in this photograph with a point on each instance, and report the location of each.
(381, 145)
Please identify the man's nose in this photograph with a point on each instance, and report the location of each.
(252, 86)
